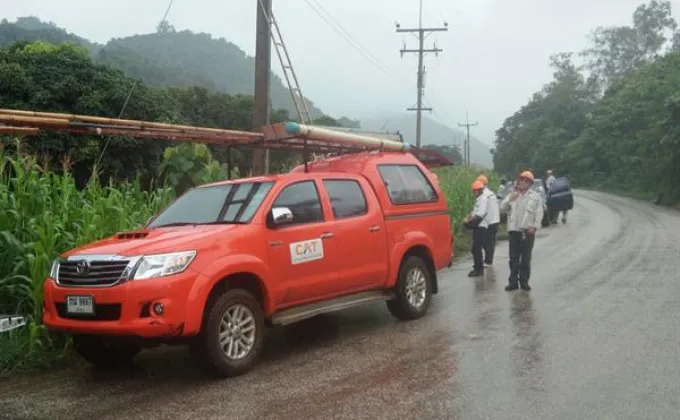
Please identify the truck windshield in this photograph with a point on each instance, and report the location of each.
(228, 204)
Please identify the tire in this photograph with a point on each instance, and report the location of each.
(105, 353)
(401, 307)
(206, 348)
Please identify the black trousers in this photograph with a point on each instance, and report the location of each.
(479, 235)
(490, 243)
(521, 247)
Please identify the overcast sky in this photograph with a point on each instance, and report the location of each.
(495, 52)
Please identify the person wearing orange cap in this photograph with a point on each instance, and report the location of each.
(493, 219)
(477, 220)
(525, 213)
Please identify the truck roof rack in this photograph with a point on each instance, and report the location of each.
(279, 136)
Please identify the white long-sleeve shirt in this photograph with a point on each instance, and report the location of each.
(548, 182)
(525, 212)
(481, 209)
(493, 213)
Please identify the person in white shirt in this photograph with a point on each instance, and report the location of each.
(493, 218)
(478, 221)
(549, 178)
(525, 213)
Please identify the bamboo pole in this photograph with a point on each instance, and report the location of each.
(59, 120)
(281, 136)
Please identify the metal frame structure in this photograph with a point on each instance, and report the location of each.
(290, 136)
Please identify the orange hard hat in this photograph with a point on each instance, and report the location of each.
(483, 178)
(527, 175)
(477, 185)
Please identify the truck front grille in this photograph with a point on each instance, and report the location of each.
(91, 273)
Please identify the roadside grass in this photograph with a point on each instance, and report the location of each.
(45, 214)
(29, 348)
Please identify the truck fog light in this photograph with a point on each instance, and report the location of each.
(158, 308)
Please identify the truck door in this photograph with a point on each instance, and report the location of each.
(299, 250)
(359, 241)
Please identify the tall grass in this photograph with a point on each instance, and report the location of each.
(44, 214)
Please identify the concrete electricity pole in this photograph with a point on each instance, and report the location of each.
(467, 125)
(263, 60)
(422, 34)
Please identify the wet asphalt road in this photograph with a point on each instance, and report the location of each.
(598, 337)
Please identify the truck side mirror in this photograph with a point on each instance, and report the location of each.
(281, 216)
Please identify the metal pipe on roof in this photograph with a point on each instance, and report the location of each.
(339, 137)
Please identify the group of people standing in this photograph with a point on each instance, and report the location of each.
(525, 212)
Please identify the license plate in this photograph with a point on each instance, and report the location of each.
(80, 305)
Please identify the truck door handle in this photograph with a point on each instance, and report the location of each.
(275, 243)
(374, 228)
(326, 235)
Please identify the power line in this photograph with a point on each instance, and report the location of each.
(347, 36)
(421, 50)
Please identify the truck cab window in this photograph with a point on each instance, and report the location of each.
(302, 199)
(347, 198)
(407, 184)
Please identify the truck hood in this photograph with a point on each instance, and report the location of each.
(157, 240)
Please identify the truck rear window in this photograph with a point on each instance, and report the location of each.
(347, 198)
(229, 203)
(406, 184)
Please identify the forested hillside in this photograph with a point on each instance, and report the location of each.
(610, 117)
(166, 58)
(63, 78)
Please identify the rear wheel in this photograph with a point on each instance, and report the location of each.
(232, 336)
(105, 353)
(413, 291)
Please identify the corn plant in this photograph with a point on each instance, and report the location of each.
(456, 183)
(44, 214)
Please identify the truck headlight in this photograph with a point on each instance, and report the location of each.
(152, 266)
(54, 271)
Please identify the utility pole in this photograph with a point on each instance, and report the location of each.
(467, 126)
(263, 60)
(422, 34)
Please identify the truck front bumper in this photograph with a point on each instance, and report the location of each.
(152, 308)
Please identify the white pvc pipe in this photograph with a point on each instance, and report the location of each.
(348, 139)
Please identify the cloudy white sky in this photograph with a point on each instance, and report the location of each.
(495, 52)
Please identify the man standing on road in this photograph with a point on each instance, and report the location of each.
(477, 221)
(525, 212)
(493, 219)
(549, 178)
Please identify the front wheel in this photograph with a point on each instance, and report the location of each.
(104, 353)
(413, 290)
(232, 336)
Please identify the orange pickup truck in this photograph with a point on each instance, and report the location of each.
(227, 260)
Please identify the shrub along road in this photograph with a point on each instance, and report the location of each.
(596, 338)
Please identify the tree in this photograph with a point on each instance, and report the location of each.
(619, 51)
(537, 136)
(164, 27)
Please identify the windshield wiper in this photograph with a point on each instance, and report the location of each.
(223, 222)
(174, 224)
